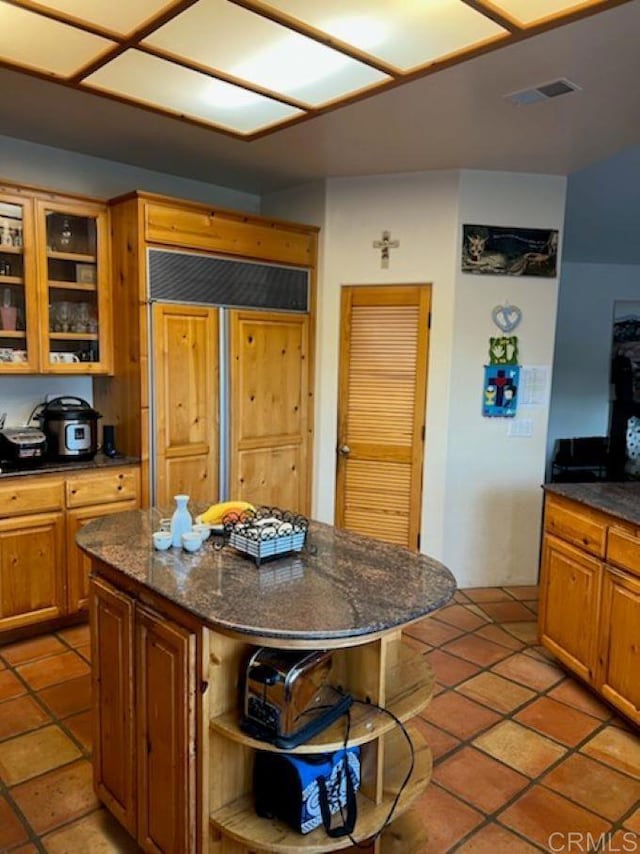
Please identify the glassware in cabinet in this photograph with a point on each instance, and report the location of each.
(18, 312)
(75, 316)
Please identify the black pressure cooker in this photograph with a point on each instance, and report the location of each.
(71, 427)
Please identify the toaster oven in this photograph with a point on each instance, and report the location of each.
(288, 697)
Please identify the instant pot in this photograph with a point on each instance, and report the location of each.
(71, 427)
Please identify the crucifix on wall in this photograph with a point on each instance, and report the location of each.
(384, 245)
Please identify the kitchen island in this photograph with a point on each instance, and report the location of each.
(590, 586)
(171, 636)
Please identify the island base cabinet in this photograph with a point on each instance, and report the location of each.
(619, 672)
(144, 720)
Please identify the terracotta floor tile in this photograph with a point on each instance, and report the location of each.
(433, 632)
(461, 617)
(497, 635)
(526, 632)
(81, 726)
(495, 691)
(29, 755)
(623, 840)
(540, 653)
(58, 797)
(487, 594)
(494, 839)
(439, 741)
(478, 650)
(574, 694)
(594, 786)
(477, 610)
(68, 698)
(97, 833)
(478, 779)
(12, 830)
(10, 685)
(524, 591)
(461, 597)
(75, 635)
(532, 605)
(84, 650)
(507, 612)
(447, 819)
(540, 813)
(522, 749)
(530, 672)
(633, 822)
(50, 671)
(449, 669)
(25, 849)
(30, 650)
(414, 643)
(617, 748)
(21, 715)
(558, 720)
(458, 715)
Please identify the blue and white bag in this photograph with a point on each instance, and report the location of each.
(306, 790)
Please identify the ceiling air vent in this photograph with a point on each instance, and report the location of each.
(542, 92)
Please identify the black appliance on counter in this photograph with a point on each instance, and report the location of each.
(70, 425)
(22, 447)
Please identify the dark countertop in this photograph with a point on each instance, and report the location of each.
(618, 499)
(98, 462)
(341, 585)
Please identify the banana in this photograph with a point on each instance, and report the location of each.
(217, 512)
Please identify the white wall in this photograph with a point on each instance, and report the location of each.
(52, 168)
(494, 500)
(482, 496)
(580, 392)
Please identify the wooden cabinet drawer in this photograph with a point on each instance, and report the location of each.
(623, 549)
(34, 495)
(119, 485)
(576, 525)
(220, 232)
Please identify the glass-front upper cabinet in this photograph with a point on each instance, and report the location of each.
(18, 300)
(75, 311)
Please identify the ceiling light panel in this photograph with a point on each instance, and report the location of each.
(149, 80)
(41, 44)
(117, 16)
(406, 34)
(228, 38)
(526, 13)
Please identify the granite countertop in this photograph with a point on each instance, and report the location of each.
(98, 462)
(621, 499)
(341, 585)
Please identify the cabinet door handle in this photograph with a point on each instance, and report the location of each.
(345, 450)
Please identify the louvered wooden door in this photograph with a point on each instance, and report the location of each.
(384, 342)
(269, 430)
(185, 348)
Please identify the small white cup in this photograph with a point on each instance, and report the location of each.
(191, 541)
(161, 540)
(202, 529)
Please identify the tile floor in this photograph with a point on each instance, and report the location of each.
(523, 754)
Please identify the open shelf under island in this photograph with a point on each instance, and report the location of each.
(171, 635)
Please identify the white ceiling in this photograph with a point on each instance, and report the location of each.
(457, 118)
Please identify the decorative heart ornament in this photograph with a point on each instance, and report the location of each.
(506, 317)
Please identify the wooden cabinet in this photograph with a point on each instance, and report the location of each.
(590, 599)
(43, 574)
(144, 720)
(167, 696)
(32, 580)
(176, 420)
(55, 284)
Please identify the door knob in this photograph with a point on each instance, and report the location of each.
(344, 450)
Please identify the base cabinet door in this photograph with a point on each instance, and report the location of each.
(569, 607)
(165, 688)
(112, 633)
(619, 663)
(32, 586)
(78, 563)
